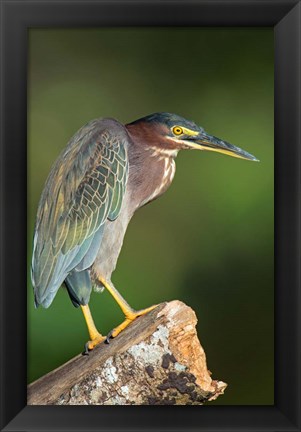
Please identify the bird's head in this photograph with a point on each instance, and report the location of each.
(169, 133)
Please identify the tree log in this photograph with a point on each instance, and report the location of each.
(157, 360)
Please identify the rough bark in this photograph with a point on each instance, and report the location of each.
(157, 360)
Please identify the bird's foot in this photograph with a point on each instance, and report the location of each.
(130, 316)
(91, 344)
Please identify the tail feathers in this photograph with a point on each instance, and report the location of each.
(79, 287)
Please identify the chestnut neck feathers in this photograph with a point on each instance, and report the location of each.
(152, 164)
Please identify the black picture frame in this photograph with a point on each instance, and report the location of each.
(16, 18)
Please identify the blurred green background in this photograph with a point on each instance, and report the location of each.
(209, 240)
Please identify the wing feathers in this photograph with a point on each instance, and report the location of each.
(83, 190)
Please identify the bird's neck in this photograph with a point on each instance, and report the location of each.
(151, 170)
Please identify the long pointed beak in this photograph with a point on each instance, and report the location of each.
(203, 141)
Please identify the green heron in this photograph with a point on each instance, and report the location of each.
(106, 172)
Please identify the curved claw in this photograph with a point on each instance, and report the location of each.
(86, 352)
(91, 344)
(109, 336)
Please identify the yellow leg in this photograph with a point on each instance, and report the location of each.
(95, 337)
(129, 313)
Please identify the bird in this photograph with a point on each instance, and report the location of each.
(106, 172)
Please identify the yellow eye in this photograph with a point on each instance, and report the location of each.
(177, 130)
